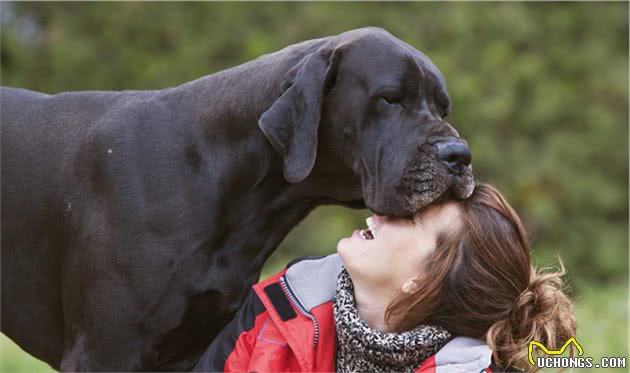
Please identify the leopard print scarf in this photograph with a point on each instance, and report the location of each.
(363, 349)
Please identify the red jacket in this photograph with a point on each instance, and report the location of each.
(286, 324)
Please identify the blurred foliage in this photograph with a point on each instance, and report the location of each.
(602, 315)
(539, 90)
(13, 359)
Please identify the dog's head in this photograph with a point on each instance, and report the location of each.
(374, 107)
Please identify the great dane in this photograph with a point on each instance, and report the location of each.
(134, 222)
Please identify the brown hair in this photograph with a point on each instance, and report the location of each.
(479, 283)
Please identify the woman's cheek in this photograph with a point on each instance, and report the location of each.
(391, 240)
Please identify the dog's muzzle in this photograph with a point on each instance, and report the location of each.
(455, 155)
(438, 171)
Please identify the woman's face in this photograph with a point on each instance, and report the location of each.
(398, 247)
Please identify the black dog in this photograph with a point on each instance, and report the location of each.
(134, 222)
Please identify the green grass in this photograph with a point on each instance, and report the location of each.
(602, 315)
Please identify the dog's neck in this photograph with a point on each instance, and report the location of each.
(254, 85)
(258, 207)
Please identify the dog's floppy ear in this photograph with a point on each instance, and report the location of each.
(292, 121)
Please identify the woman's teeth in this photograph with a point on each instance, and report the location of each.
(370, 232)
(370, 223)
(365, 235)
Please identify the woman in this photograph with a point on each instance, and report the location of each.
(405, 295)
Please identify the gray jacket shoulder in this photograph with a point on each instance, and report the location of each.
(313, 280)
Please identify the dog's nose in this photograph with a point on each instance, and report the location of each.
(455, 154)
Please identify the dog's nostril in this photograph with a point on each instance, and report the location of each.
(455, 154)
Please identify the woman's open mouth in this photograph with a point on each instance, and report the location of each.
(368, 233)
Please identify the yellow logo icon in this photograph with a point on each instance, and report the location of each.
(530, 349)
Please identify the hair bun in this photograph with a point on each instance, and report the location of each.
(524, 307)
(540, 297)
(541, 312)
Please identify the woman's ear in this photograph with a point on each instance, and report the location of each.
(411, 285)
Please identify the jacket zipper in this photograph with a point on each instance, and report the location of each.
(303, 311)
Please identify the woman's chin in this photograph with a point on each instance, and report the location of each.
(342, 244)
(346, 246)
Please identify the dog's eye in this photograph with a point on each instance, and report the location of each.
(392, 100)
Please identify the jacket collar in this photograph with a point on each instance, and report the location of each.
(312, 282)
(305, 285)
(462, 354)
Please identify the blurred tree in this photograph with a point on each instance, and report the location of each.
(540, 90)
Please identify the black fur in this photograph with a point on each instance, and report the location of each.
(134, 222)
